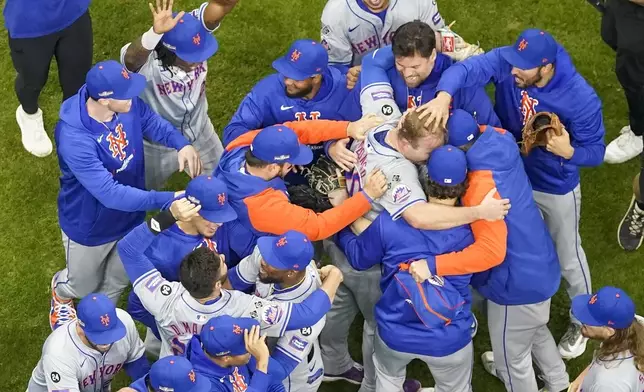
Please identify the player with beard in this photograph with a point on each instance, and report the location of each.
(618, 365)
(536, 74)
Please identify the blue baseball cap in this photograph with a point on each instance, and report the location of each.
(447, 166)
(279, 144)
(533, 48)
(462, 128)
(609, 307)
(212, 194)
(291, 251)
(224, 335)
(304, 59)
(176, 374)
(190, 40)
(97, 317)
(110, 80)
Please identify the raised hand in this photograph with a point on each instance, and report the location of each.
(358, 129)
(162, 20)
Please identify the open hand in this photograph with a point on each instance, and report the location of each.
(162, 20)
(493, 209)
(256, 344)
(376, 184)
(341, 155)
(436, 110)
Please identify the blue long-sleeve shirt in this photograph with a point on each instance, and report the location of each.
(36, 18)
(102, 185)
(568, 95)
(138, 368)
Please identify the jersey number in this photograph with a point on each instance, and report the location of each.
(301, 116)
(178, 348)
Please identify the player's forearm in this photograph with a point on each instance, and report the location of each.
(280, 364)
(360, 225)
(157, 129)
(432, 216)
(235, 281)
(138, 368)
(139, 50)
(215, 12)
(132, 247)
(588, 155)
(314, 307)
(361, 253)
(476, 71)
(318, 131)
(260, 380)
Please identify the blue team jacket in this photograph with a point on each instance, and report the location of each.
(102, 180)
(530, 272)
(36, 18)
(391, 243)
(267, 104)
(567, 94)
(379, 67)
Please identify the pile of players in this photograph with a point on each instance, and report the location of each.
(439, 205)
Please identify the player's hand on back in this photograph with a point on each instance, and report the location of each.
(189, 156)
(492, 208)
(419, 270)
(341, 155)
(376, 184)
(352, 76)
(256, 346)
(162, 20)
(358, 129)
(183, 210)
(436, 111)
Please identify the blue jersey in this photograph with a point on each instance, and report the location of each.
(568, 95)
(379, 69)
(391, 243)
(36, 18)
(267, 104)
(102, 186)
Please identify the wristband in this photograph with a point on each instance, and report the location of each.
(161, 221)
(150, 39)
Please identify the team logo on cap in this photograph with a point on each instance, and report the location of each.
(105, 320)
(237, 329)
(196, 39)
(125, 74)
(221, 198)
(192, 376)
(282, 241)
(592, 300)
(295, 55)
(523, 44)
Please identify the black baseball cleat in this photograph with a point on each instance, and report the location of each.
(629, 232)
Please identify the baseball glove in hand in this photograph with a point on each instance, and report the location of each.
(324, 177)
(534, 132)
(307, 197)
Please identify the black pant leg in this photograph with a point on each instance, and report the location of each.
(74, 51)
(31, 58)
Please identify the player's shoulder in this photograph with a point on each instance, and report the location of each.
(60, 342)
(125, 318)
(269, 86)
(336, 12)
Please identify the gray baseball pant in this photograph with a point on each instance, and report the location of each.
(561, 214)
(161, 162)
(452, 373)
(519, 335)
(359, 291)
(91, 269)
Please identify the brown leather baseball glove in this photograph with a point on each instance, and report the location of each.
(534, 131)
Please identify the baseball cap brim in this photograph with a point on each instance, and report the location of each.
(226, 214)
(206, 51)
(304, 156)
(136, 87)
(284, 67)
(109, 336)
(265, 245)
(581, 311)
(510, 55)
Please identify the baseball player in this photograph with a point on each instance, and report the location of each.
(518, 289)
(172, 55)
(100, 137)
(536, 74)
(351, 29)
(172, 245)
(86, 354)
(405, 74)
(171, 373)
(281, 269)
(181, 308)
(403, 315)
(253, 168)
(609, 317)
(233, 355)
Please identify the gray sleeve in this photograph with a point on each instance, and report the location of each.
(248, 269)
(379, 100)
(404, 188)
(333, 36)
(59, 373)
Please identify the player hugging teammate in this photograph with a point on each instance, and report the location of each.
(377, 142)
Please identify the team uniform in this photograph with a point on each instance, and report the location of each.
(68, 365)
(179, 316)
(403, 323)
(180, 98)
(350, 30)
(615, 375)
(102, 194)
(555, 180)
(384, 91)
(298, 351)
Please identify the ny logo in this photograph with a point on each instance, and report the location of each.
(282, 241)
(593, 299)
(237, 329)
(192, 376)
(237, 381)
(527, 106)
(301, 116)
(522, 45)
(105, 320)
(118, 142)
(125, 74)
(196, 39)
(295, 55)
(221, 198)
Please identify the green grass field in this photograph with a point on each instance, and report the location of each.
(250, 38)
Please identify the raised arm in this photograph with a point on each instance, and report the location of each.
(214, 11)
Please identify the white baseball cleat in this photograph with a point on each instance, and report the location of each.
(34, 137)
(488, 363)
(624, 147)
(573, 343)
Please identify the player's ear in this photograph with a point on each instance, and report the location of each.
(432, 57)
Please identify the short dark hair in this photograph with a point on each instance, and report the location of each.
(199, 272)
(413, 37)
(442, 192)
(253, 161)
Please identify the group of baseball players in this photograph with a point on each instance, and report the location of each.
(434, 211)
